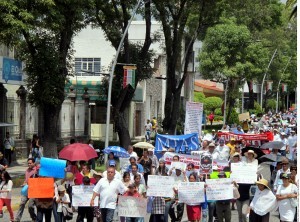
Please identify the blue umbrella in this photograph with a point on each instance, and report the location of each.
(118, 151)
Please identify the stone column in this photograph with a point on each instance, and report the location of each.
(86, 98)
(72, 97)
(22, 92)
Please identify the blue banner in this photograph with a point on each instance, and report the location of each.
(12, 70)
(52, 168)
(181, 143)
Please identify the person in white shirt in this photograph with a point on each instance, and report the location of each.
(292, 141)
(285, 148)
(148, 130)
(222, 150)
(276, 135)
(5, 194)
(285, 169)
(131, 152)
(62, 201)
(134, 171)
(108, 189)
(263, 203)
(117, 174)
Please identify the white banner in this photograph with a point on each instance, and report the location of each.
(191, 192)
(160, 186)
(168, 158)
(132, 206)
(243, 172)
(219, 189)
(193, 118)
(180, 165)
(82, 195)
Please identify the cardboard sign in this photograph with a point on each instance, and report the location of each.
(82, 195)
(132, 207)
(195, 159)
(243, 173)
(244, 116)
(52, 167)
(160, 186)
(191, 192)
(40, 187)
(219, 189)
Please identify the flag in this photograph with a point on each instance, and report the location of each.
(269, 85)
(129, 76)
(284, 87)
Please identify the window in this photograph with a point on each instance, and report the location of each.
(91, 64)
(98, 114)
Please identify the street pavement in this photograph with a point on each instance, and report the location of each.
(17, 169)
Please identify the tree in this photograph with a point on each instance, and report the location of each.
(224, 56)
(175, 16)
(212, 103)
(42, 32)
(113, 18)
(199, 97)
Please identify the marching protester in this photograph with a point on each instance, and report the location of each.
(285, 169)
(132, 192)
(9, 145)
(251, 157)
(62, 201)
(146, 162)
(162, 170)
(5, 194)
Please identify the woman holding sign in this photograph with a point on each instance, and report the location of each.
(193, 209)
(5, 194)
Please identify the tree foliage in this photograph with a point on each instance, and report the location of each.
(199, 97)
(212, 103)
(42, 32)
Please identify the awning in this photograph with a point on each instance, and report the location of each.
(7, 124)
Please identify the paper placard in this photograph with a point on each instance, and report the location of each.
(160, 186)
(52, 168)
(191, 192)
(180, 165)
(219, 189)
(82, 195)
(124, 163)
(132, 206)
(193, 117)
(41, 187)
(243, 172)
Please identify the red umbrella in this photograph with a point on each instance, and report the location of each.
(77, 151)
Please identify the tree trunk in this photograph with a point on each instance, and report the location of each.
(122, 129)
(231, 99)
(50, 116)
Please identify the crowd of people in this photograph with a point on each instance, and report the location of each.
(253, 202)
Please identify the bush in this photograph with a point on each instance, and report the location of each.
(257, 109)
(199, 97)
(218, 118)
(212, 103)
(218, 112)
(271, 104)
(234, 117)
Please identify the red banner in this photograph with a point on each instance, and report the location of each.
(263, 136)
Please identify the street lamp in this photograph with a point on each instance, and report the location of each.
(262, 84)
(112, 73)
(277, 94)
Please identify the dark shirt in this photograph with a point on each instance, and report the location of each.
(244, 191)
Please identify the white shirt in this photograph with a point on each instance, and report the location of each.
(65, 198)
(8, 186)
(284, 140)
(277, 137)
(178, 179)
(263, 202)
(117, 175)
(286, 211)
(224, 152)
(277, 180)
(148, 126)
(133, 154)
(8, 143)
(109, 192)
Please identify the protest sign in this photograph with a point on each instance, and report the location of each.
(52, 168)
(41, 187)
(219, 189)
(181, 143)
(220, 163)
(248, 137)
(205, 162)
(243, 172)
(168, 158)
(132, 206)
(82, 195)
(177, 165)
(191, 192)
(193, 118)
(124, 163)
(160, 186)
(244, 116)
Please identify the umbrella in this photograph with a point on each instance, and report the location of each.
(272, 145)
(143, 145)
(77, 151)
(267, 158)
(258, 151)
(118, 151)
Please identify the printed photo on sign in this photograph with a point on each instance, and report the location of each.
(132, 207)
(205, 162)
